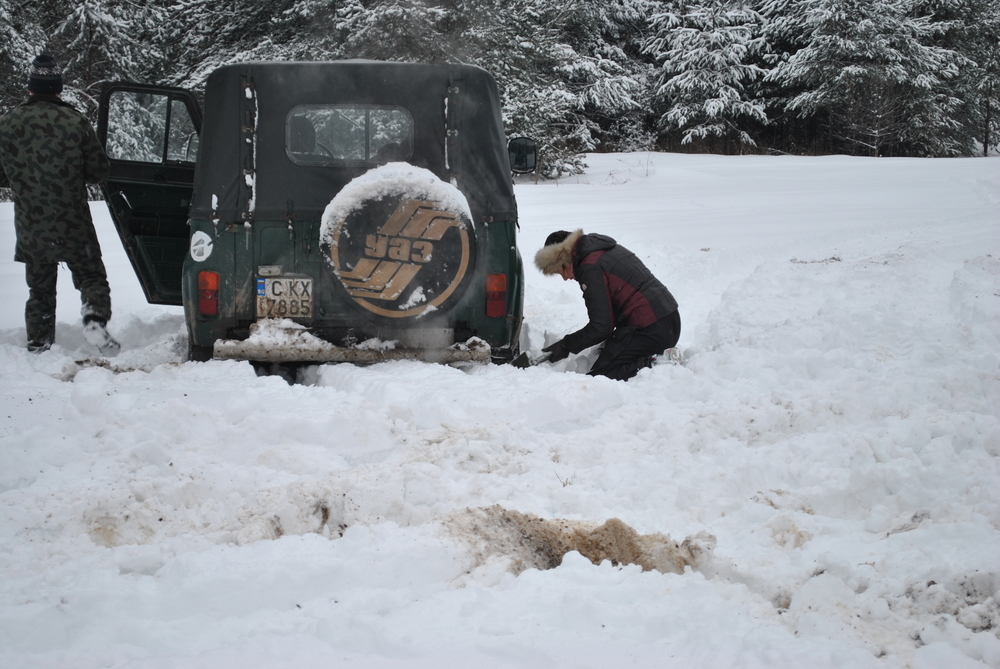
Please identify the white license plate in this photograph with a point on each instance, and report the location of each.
(285, 297)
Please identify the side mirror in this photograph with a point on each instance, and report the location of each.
(523, 155)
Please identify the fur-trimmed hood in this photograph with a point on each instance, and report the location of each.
(550, 259)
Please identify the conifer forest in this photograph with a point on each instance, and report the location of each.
(857, 77)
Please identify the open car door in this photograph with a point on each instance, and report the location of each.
(151, 135)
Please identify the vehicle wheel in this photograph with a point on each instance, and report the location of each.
(505, 355)
(400, 243)
(199, 353)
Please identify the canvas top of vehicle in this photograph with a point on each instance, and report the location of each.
(331, 204)
(444, 118)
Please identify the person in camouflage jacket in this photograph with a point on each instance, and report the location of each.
(48, 153)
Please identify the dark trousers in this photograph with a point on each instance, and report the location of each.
(89, 277)
(630, 349)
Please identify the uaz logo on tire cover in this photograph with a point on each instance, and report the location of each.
(413, 261)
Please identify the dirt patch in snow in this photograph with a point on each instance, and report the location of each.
(530, 542)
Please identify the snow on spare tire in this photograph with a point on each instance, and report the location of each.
(399, 240)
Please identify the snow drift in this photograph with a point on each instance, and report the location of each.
(834, 426)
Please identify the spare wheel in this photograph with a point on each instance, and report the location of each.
(400, 242)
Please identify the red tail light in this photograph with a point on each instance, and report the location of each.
(496, 295)
(208, 293)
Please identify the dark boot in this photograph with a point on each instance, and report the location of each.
(39, 346)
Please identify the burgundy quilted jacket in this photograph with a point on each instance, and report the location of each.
(618, 289)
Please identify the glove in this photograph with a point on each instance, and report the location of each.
(557, 351)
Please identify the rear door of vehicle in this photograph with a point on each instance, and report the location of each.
(151, 135)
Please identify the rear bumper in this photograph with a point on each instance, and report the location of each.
(276, 340)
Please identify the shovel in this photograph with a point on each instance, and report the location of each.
(523, 361)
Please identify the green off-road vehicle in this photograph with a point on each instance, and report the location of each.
(334, 211)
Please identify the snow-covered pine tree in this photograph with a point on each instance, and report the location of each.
(522, 43)
(406, 30)
(201, 35)
(519, 41)
(704, 47)
(316, 29)
(611, 73)
(782, 37)
(869, 70)
(972, 29)
(99, 41)
(21, 38)
(984, 52)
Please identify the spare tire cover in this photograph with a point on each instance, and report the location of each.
(400, 242)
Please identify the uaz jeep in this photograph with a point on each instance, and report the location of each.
(337, 211)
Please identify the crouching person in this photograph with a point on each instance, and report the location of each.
(48, 153)
(629, 309)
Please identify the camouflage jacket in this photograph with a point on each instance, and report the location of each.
(48, 153)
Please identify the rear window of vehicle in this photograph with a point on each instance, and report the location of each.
(335, 134)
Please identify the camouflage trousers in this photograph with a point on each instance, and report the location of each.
(89, 277)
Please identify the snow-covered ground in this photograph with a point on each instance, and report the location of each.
(833, 432)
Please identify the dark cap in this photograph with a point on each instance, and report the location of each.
(557, 237)
(45, 76)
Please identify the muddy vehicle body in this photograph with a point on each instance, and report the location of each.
(336, 211)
